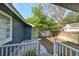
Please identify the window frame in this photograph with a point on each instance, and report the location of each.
(10, 18)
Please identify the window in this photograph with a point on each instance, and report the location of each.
(5, 28)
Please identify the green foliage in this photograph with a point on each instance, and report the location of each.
(41, 21)
(37, 11)
(71, 19)
(33, 20)
(52, 25)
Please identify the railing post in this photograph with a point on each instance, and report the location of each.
(76, 53)
(2, 51)
(62, 50)
(39, 47)
(70, 52)
(24, 50)
(55, 47)
(66, 51)
(59, 50)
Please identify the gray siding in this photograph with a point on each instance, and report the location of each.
(20, 32)
(28, 33)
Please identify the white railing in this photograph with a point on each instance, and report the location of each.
(22, 49)
(61, 49)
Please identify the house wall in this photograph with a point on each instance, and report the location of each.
(19, 28)
(20, 32)
(28, 33)
(69, 36)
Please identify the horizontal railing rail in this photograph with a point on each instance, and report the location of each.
(31, 48)
(61, 49)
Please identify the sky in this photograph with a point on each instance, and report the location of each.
(25, 9)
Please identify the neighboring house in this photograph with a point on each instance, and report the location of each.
(70, 33)
(74, 27)
(69, 46)
(13, 27)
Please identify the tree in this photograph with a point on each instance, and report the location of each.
(59, 14)
(33, 20)
(41, 21)
(56, 12)
(71, 19)
(38, 12)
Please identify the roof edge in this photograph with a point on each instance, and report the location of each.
(13, 9)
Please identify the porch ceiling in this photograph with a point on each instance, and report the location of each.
(71, 6)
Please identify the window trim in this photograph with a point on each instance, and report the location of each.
(5, 14)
